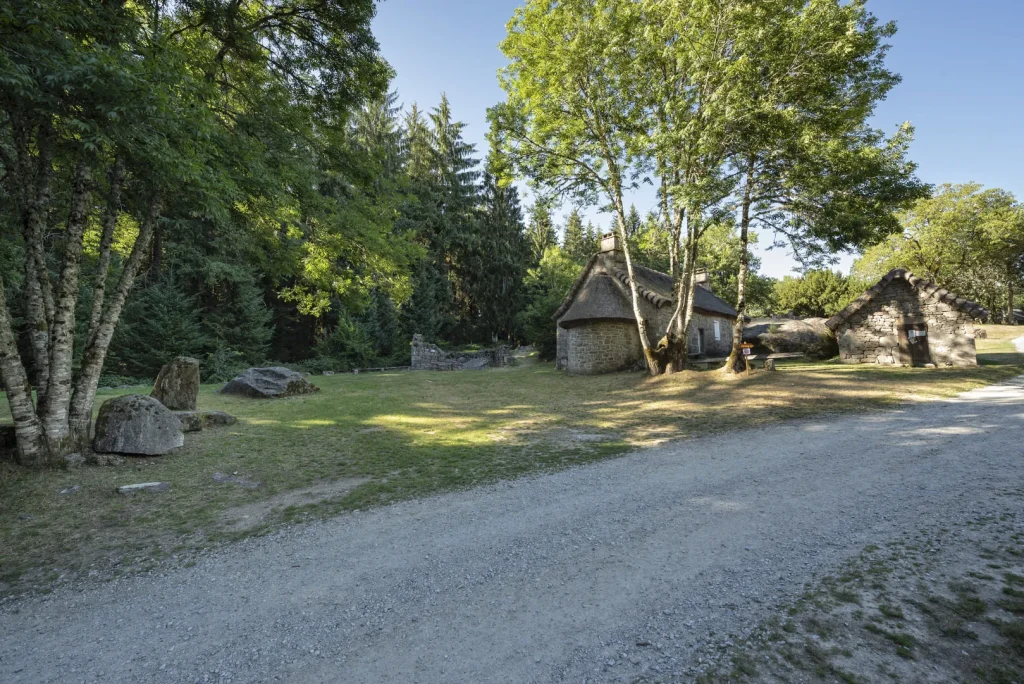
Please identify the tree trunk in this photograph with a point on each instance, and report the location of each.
(99, 291)
(641, 322)
(736, 364)
(84, 397)
(38, 312)
(1010, 275)
(679, 325)
(28, 429)
(54, 408)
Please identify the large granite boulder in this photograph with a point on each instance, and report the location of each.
(177, 385)
(136, 425)
(269, 383)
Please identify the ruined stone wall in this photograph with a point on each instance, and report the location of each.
(430, 357)
(872, 335)
(602, 347)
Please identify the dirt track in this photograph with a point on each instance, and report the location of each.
(631, 567)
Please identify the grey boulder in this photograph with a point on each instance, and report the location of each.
(177, 385)
(137, 425)
(269, 383)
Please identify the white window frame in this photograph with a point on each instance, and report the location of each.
(718, 331)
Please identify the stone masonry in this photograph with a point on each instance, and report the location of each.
(872, 334)
(602, 347)
(426, 356)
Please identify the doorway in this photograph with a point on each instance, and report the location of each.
(914, 344)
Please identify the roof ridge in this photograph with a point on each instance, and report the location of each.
(928, 287)
(650, 295)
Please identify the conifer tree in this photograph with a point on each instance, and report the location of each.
(574, 244)
(504, 258)
(541, 230)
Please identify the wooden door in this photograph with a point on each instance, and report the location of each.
(914, 344)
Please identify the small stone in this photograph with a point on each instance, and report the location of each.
(128, 490)
(191, 421)
(236, 480)
(217, 419)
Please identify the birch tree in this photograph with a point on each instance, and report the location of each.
(124, 116)
(570, 123)
(810, 169)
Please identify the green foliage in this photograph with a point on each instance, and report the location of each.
(503, 256)
(720, 254)
(967, 239)
(162, 322)
(541, 231)
(575, 241)
(348, 344)
(816, 294)
(548, 285)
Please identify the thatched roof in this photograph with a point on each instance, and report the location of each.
(926, 287)
(602, 293)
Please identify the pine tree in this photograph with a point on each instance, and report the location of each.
(504, 258)
(574, 244)
(633, 222)
(418, 146)
(541, 231)
(592, 243)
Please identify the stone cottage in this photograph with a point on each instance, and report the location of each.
(597, 332)
(907, 321)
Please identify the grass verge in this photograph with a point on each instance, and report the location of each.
(373, 439)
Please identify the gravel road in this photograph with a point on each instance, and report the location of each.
(627, 568)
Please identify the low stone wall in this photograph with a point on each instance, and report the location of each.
(872, 335)
(602, 347)
(430, 357)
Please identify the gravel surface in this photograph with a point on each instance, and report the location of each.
(628, 568)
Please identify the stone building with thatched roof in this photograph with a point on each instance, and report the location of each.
(907, 321)
(597, 331)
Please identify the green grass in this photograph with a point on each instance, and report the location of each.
(404, 435)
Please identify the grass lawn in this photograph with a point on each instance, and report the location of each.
(372, 439)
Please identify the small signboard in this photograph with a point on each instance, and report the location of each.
(747, 351)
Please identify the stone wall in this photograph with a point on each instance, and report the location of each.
(602, 347)
(712, 348)
(430, 357)
(872, 335)
(562, 353)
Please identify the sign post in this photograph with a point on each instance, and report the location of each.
(748, 349)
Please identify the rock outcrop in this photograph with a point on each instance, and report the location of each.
(269, 383)
(177, 385)
(137, 425)
(808, 336)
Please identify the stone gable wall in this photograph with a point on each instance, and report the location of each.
(713, 348)
(872, 335)
(602, 347)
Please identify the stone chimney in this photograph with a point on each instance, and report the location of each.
(702, 279)
(610, 243)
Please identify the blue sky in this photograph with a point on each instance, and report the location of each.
(962, 63)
